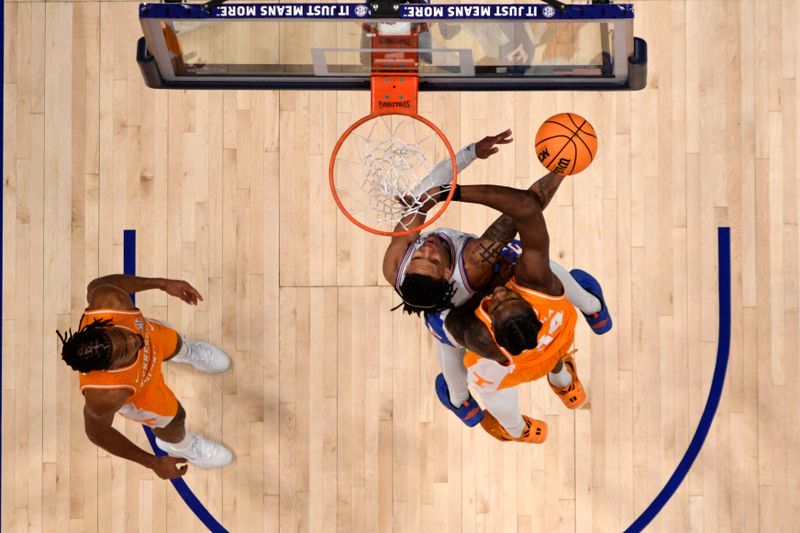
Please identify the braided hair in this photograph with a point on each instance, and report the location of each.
(518, 332)
(425, 293)
(88, 349)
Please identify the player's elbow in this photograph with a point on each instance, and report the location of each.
(529, 207)
(94, 426)
(99, 282)
(93, 432)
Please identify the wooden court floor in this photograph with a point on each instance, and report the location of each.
(330, 406)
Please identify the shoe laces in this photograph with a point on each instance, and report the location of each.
(201, 446)
(201, 352)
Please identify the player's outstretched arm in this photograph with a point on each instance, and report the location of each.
(545, 188)
(483, 253)
(433, 184)
(126, 284)
(524, 208)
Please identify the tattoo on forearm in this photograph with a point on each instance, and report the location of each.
(495, 238)
(545, 188)
(489, 251)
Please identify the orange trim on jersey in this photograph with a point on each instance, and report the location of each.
(121, 386)
(514, 285)
(115, 311)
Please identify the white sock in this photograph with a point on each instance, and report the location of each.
(584, 300)
(504, 406)
(185, 350)
(515, 430)
(560, 379)
(183, 443)
(451, 360)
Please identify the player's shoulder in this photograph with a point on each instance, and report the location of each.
(108, 297)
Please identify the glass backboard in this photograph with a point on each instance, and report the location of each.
(339, 46)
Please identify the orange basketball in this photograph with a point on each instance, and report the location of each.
(566, 143)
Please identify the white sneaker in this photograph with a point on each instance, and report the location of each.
(205, 357)
(200, 452)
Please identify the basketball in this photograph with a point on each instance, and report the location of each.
(566, 143)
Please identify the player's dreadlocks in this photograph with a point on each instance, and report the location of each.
(518, 332)
(88, 349)
(422, 293)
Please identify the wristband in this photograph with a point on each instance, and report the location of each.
(456, 193)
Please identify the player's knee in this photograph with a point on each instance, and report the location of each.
(180, 416)
(178, 420)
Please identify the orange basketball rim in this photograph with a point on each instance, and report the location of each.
(385, 156)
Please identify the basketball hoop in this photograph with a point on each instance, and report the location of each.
(389, 165)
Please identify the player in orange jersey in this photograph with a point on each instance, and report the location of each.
(119, 353)
(446, 267)
(523, 330)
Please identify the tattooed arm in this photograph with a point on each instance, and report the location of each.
(545, 188)
(397, 247)
(483, 253)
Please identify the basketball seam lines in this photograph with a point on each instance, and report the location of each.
(570, 139)
(580, 130)
(569, 116)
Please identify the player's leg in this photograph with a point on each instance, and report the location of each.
(504, 421)
(159, 408)
(504, 406)
(451, 361)
(587, 302)
(584, 292)
(564, 381)
(203, 356)
(502, 417)
(175, 431)
(177, 441)
(451, 385)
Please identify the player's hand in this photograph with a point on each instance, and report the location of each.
(166, 467)
(425, 201)
(486, 146)
(182, 290)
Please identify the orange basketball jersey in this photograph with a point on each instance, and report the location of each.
(159, 342)
(558, 318)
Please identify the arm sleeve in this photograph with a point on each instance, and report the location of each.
(441, 174)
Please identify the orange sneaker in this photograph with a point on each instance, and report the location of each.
(573, 394)
(535, 430)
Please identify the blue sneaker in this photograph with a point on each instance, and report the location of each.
(470, 412)
(600, 322)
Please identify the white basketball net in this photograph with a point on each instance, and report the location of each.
(387, 168)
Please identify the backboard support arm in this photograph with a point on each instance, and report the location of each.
(212, 4)
(560, 6)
